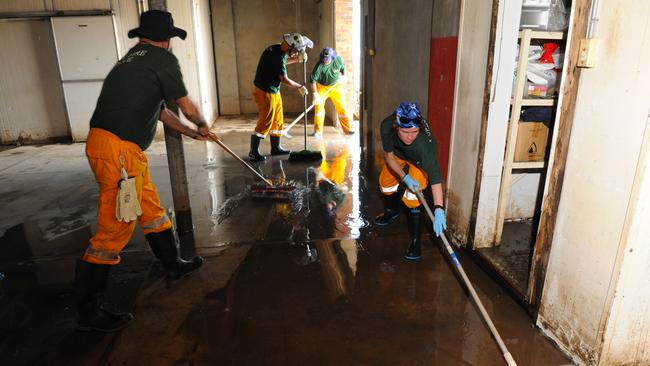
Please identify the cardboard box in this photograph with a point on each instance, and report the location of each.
(531, 141)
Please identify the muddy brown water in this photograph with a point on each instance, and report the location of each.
(284, 283)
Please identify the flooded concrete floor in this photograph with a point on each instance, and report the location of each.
(284, 283)
(511, 259)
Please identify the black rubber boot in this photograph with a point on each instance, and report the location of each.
(254, 155)
(391, 210)
(276, 149)
(413, 252)
(90, 283)
(163, 245)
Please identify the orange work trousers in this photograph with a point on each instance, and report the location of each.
(337, 95)
(389, 182)
(105, 151)
(270, 115)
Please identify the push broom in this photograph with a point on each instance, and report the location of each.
(502, 346)
(267, 190)
(305, 155)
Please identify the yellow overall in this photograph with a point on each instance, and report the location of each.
(104, 150)
(270, 115)
(337, 95)
(389, 182)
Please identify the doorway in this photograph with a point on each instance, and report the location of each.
(521, 129)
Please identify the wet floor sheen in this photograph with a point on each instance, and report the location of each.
(303, 281)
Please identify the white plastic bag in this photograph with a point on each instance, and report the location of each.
(541, 74)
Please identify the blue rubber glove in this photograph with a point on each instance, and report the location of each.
(411, 183)
(439, 221)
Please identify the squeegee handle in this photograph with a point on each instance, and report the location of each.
(504, 350)
(216, 140)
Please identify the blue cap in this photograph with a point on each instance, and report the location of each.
(408, 115)
(327, 54)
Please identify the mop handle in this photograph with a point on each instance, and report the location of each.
(286, 130)
(216, 139)
(506, 354)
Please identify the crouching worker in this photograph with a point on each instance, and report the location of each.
(410, 159)
(123, 125)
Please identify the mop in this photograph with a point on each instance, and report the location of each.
(305, 155)
(506, 354)
(267, 190)
(285, 131)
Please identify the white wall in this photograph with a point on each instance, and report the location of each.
(8, 6)
(626, 335)
(126, 18)
(32, 105)
(473, 42)
(521, 202)
(588, 264)
(31, 97)
(185, 50)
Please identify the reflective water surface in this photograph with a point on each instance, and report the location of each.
(306, 280)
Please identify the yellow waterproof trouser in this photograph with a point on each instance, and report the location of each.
(271, 117)
(335, 170)
(104, 151)
(389, 182)
(337, 95)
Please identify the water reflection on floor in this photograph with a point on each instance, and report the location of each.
(301, 281)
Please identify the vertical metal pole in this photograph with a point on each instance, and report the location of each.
(177, 173)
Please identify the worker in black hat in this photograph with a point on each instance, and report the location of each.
(122, 127)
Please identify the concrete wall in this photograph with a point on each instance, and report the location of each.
(626, 340)
(225, 51)
(185, 50)
(8, 6)
(260, 23)
(473, 42)
(28, 110)
(400, 68)
(33, 103)
(327, 39)
(37, 65)
(126, 18)
(445, 19)
(442, 77)
(596, 259)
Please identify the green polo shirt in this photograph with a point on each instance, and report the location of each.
(134, 92)
(421, 152)
(271, 67)
(328, 74)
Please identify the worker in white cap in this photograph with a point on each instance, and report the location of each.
(271, 71)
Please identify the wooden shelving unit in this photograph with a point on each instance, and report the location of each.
(518, 101)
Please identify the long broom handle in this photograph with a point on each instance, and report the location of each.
(293, 123)
(506, 354)
(304, 97)
(216, 140)
(286, 130)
